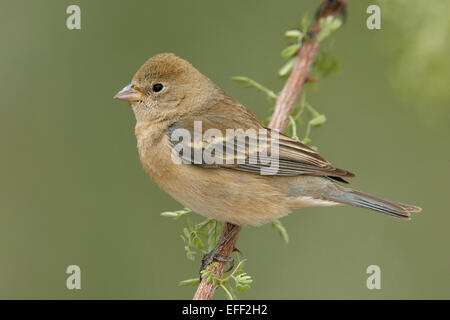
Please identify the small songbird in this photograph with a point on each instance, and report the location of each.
(168, 93)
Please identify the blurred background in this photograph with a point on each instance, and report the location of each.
(73, 190)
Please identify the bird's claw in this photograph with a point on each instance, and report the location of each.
(208, 258)
(226, 259)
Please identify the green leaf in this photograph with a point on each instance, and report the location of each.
(169, 214)
(186, 232)
(281, 229)
(244, 278)
(204, 273)
(242, 287)
(189, 282)
(317, 121)
(252, 83)
(287, 68)
(294, 34)
(305, 23)
(176, 214)
(306, 141)
(290, 51)
(328, 25)
(203, 234)
(199, 243)
(325, 64)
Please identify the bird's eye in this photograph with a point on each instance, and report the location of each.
(157, 87)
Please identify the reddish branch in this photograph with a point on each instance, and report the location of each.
(205, 290)
(280, 118)
(288, 96)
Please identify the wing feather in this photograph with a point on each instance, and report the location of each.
(294, 158)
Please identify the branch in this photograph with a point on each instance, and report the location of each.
(288, 96)
(280, 118)
(205, 290)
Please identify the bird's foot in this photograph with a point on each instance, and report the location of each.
(238, 251)
(215, 255)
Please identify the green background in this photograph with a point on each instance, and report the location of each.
(73, 190)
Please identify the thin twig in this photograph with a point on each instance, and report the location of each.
(288, 96)
(280, 118)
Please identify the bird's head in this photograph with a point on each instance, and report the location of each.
(166, 87)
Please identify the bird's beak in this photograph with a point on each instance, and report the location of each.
(130, 94)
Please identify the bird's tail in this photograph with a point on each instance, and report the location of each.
(367, 201)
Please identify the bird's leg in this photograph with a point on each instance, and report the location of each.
(215, 255)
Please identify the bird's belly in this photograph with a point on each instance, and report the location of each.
(225, 195)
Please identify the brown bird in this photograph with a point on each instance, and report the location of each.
(168, 95)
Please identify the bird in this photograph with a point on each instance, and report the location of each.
(169, 96)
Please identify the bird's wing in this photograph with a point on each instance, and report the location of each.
(256, 153)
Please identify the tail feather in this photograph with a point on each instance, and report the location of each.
(367, 201)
